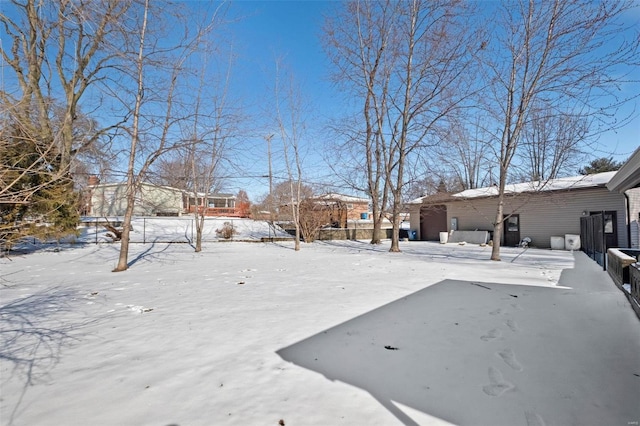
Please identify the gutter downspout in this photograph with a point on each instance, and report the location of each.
(628, 219)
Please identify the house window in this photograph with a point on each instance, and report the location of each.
(350, 206)
(608, 223)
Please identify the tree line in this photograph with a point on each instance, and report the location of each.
(436, 96)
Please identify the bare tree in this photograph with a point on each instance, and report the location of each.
(60, 52)
(212, 130)
(557, 52)
(60, 45)
(314, 214)
(172, 169)
(279, 199)
(552, 144)
(201, 152)
(406, 62)
(463, 155)
(288, 117)
(157, 75)
(360, 58)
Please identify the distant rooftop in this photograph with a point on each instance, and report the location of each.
(573, 182)
(344, 198)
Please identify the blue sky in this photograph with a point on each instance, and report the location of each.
(293, 29)
(291, 32)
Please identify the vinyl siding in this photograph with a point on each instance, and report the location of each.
(542, 215)
(414, 218)
(634, 216)
(110, 200)
(152, 200)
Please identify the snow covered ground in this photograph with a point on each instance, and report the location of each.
(179, 230)
(339, 333)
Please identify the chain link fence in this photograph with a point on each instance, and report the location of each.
(179, 230)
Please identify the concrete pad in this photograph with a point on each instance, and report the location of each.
(480, 353)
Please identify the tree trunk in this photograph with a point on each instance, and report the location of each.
(123, 258)
(497, 228)
(499, 223)
(377, 221)
(395, 219)
(199, 222)
(126, 226)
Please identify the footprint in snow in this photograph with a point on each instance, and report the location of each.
(509, 358)
(513, 326)
(534, 419)
(498, 385)
(492, 334)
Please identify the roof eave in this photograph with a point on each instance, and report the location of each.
(628, 175)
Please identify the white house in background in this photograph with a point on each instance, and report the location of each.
(538, 210)
(109, 199)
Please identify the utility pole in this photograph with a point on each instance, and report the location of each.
(268, 139)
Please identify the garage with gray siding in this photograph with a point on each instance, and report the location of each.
(542, 215)
(553, 210)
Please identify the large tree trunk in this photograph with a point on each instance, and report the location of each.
(395, 235)
(123, 258)
(499, 223)
(199, 222)
(497, 228)
(377, 221)
(131, 184)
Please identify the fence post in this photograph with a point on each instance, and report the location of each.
(604, 244)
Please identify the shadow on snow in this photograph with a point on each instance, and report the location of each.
(484, 353)
(33, 332)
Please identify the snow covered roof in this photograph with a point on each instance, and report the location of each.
(146, 184)
(566, 183)
(439, 197)
(573, 182)
(344, 198)
(211, 195)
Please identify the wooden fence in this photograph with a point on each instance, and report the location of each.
(216, 211)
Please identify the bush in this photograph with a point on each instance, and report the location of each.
(227, 231)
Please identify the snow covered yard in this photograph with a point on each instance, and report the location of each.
(338, 333)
